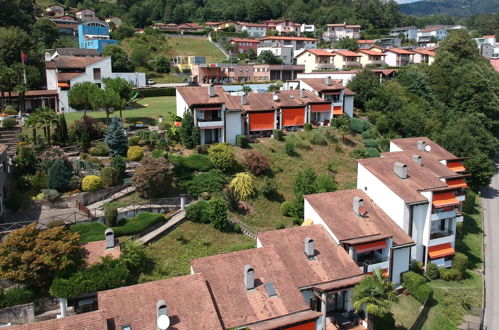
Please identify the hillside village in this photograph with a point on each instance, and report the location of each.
(256, 171)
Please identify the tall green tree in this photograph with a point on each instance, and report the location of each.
(348, 43)
(119, 58)
(45, 31)
(116, 138)
(108, 100)
(122, 87)
(58, 176)
(189, 133)
(365, 85)
(81, 96)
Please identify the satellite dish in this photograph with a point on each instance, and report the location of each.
(427, 148)
(163, 322)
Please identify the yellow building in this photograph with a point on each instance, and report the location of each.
(315, 59)
(186, 62)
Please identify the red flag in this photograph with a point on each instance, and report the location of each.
(24, 57)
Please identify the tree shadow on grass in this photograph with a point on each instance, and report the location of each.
(387, 322)
(346, 141)
(469, 226)
(275, 197)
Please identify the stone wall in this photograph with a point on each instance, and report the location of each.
(19, 314)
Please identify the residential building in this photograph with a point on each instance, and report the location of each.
(322, 270)
(398, 57)
(335, 32)
(346, 59)
(389, 42)
(421, 186)
(284, 53)
(94, 35)
(422, 55)
(34, 99)
(70, 52)
(432, 34)
(85, 321)
(86, 15)
(220, 26)
(330, 90)
(409, 32)
(116, 21)
(361, 228)
(377, 48)
(254, 289)
(187, 62)
(307, 28)
(366, 44)
(4, 176)
(371, 57)
(55, 10)
(344, 77)
(296, 43)
(66, 25)
(284, 27)
(486, 45)
(255, 30)
(243, 45)
(315, 59)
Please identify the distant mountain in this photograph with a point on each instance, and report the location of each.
(449, 7)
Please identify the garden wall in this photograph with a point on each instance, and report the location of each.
(18, 314)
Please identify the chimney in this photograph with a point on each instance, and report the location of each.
(417, 159)
(109, 236)
(302, 93)
(309, 247)
(328, 81)
(421, 145)
(243, 99)
(211, 91)
(162, 320)
(275, 97)
(400, 169)
(249, 277)
(358, 206)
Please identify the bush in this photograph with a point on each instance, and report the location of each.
(289, 148)
(432, 271)
(9, 123)
(16, 296)
(211, 181)
(286, 209)
(411, 281)
(133, 141)
(280, 225)
(242, 141)
(217, 209)
(298, 140)
(371, 153)
(370, 143)
(423, 293)
(256, 162)
(109, 176)
(153, 178)
(416, 267)
(135, 153)
(460, 263)
(367, 135)
(243, 184)
(236, 228)
(10, 110)
(222, 156)
(198, 212)
(110, 215)
(469, 202)
(158, 154)
(326, 183)
(198, 162)
(358, 125)
(74, 183)
(450, 274)
(89, 232)
(100, 149)
(307, 127)
(269, 187)
(138, 224)
(358, 153)
(38, 181)
(118, 162)
(316, 137)
(278, 135)
(91, 183)
(58, 176)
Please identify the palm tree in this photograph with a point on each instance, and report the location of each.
(374, 294)
(247, 89)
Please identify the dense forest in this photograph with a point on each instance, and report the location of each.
(458, 8)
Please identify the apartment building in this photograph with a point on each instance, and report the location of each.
(227, 72)
(398, 57)
(255, 30)
(346, 59)
(371, 57)
(335, 32)
(366, 44)
(431, 35)
(422, 55)
(315, 60)
(243, 45)
(359, 226)
(86, 15)
(421, 186)
(284, 27)
(296, 43)
(409, 32)
(94, 35)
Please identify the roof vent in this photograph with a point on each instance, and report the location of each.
(309, 247)
(109, 237)
(275, 97)
(400, 169)
(328, 81)
(417, 159)
(249, 277)
(243, 99)
(162, 320)
(358, 206)
(302, 93)
(421, 145)
(211, 91)
(270, 289)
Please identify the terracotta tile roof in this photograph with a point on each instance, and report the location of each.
(319, 84)
(425, 52)
(377, 47)
(489, 36)
(331, 262)
(399, 51)
(252, 24)
(318, 52)
(411, 144)
(289, 38)
(187, 297)
(238, 306)
(285, 321)
(354, 26)
(435, 28)
(65, 25)
(94, 251)
(73, 62)
(371, 52)
(86, 321)
(67, 76)
(346, 53)
(366, 41)
(335, 208)
(198, 95)
(244, 40)
(336, 25)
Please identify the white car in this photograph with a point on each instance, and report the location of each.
(150, 81)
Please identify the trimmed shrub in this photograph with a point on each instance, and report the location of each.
(450, 274)
(222, 156)
(316, 137)
(469, 202)
(16, 296)
(358, 125)
(307, 127)
(423, 293)
(280, 225)
(133, 141)
(326, 183)
(135, 153)
(416, 267)
(286, 209)
(100, 149)
(289, 148)
(278, 135)
(211, 181)
(158, 154)
(256, 162)
(217, 209)
(110, 215)
(118, 162)
(91, 183)
(268, 187)
(236, 228)
(109, 176)
(370, 143)
(371, 152)
(367, 135)
(411, 281)
(10, 110)
(138, 224)
(460, 263)
(198, 212)
(74, 183)
(432, 271)
(59, 175)
(243, 184)
(9, 123)
(242, 141)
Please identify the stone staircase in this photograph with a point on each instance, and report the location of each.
(9, 137)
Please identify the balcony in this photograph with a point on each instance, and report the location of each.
(325, 66)
(441, 233)
(217, 122)
(352, 63)
(441, 237)
(370, 265)
(377, 62)
(443, 215)
(461, 198)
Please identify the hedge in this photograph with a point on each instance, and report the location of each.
(370, 143)
(411, 281)
(241, 140)
(358, 125)
(15, 296)
(138, 224)
(450, 274)
(460, 262)
(152, 92)
(89, 232)
(423, 293)
(198, 212)
(211, 181)
(194, 162)
(432, 271)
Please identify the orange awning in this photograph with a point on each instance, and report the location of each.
(370, 246)
(456, 166)
(63, 85)
(261, 121)
(337, 110)
(384, 272)
(445, 199)
(440, 251)
(457, 183)
(293, 117)
(320, 107)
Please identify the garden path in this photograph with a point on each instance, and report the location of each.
(176, 219)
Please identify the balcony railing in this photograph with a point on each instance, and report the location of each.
(443, 215)
(323, 66)
(212, 119)
(370, 261)
(441, 233)
(377, 62)
(352, 63)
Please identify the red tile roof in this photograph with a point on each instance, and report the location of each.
(436, 28)
(289, 38)
(67, 76)
(319, 84)
(318, 52)
(346, 53)
(489, 36)
(73, 62)
(399, 51)
(331, 261)
(244, 40)
(94, 251)
(366, 41)
(86, 321)
(410, 144)
(371, 52)
(238, 306)
(187, 297)
(425, 52)
(198, 95)
(252, 24)
(335, 208)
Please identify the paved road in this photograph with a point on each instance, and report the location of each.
(490, 199)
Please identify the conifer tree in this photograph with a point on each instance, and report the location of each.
(116, 138)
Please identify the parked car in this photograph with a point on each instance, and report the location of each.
(150, 81)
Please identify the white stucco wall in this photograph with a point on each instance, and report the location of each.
(419, 215)
(348, 105)
(180, 104)
(233, 126)
(137, 79)
(400, 263)
(391, 58)
(51, 79)
(394, 147)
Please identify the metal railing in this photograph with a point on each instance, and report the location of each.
(441, 233)
(370, 261)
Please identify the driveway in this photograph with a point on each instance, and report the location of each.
(490, 200)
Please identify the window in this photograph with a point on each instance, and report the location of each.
(97, 74)
(126, 327)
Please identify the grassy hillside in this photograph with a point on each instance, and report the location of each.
(450, 7)
(194, 46)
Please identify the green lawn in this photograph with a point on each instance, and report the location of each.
(195, 47)
(402, 315)
(172, 253)
(147, 110)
